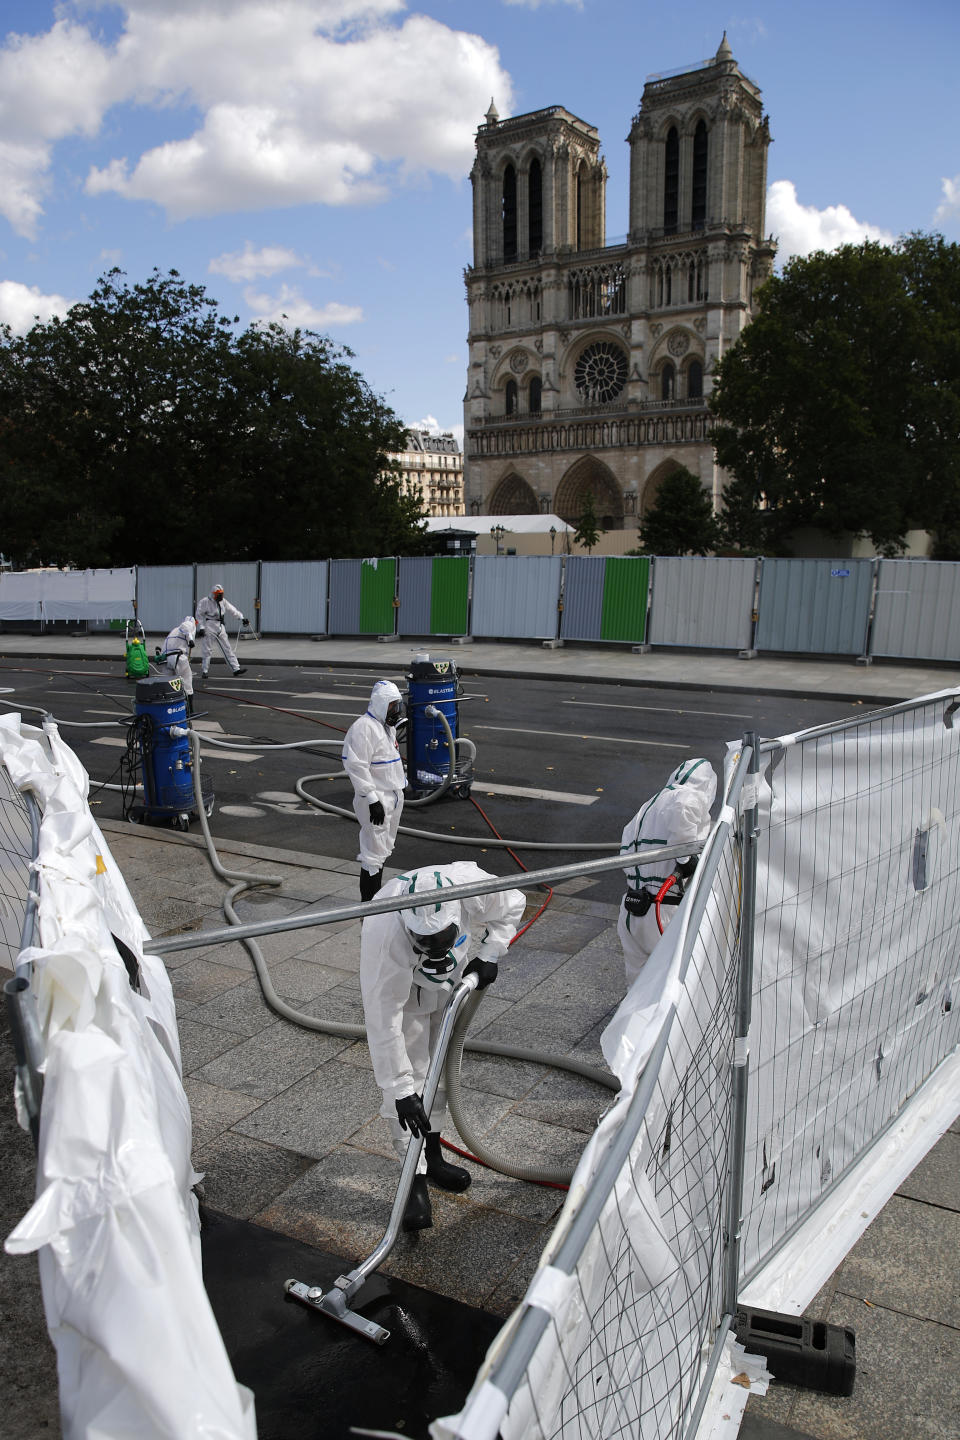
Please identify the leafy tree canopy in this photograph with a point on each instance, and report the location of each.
(143, 428)
(839, 406)
(680, 521)
(587, 532)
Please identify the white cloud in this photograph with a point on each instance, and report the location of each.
(294, 311)
(21, 305)
(431, 424)
(299, 101)
(948, 211)
(249, 264)
(51, 86)
(802, 229)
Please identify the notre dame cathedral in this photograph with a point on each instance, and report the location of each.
(589, 363)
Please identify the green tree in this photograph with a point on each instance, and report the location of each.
(587, 532)
(680, 521)
(839, 406)
(142, 427)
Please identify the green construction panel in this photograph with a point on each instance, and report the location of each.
(377, 588)
(624, 613)
(449, 582)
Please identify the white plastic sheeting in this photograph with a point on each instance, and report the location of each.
(115, 1221)
(67, 595)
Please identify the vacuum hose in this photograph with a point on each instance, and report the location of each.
(506, 1166)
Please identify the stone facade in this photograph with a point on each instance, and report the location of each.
(590, 364)
(431, 466)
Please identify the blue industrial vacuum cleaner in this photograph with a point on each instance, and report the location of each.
(433, 728)
(159, 756)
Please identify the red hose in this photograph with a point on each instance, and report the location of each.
(670, 880)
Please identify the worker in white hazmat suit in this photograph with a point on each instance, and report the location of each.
(176, 653)
(410, 963)
(371, 758)
(678, 813)
(212, 611)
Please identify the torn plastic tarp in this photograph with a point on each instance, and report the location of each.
(115, 1221)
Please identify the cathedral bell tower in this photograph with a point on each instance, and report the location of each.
(590, 363)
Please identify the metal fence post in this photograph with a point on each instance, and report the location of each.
(738, 1096)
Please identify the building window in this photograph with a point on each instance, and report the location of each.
(601, 372)
(668, 382)
(535, 196)
(509, 213)
(536, 395)
(671, 181)
(698, 213)
(695, 380)
(510, 408)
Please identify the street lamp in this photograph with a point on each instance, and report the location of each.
(553, 537)
(497, 532)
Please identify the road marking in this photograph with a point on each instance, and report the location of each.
(568, 735)
(562, 797)
(660, 709)
(302, 710)
(243, 756)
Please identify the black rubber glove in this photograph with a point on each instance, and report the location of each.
(377, 815)
(485, 971)
(200, 633)
(412, 1116)
(244, 621)
(189, 644)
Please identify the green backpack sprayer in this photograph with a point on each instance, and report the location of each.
(137, 660)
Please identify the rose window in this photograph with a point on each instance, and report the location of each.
(601, 372)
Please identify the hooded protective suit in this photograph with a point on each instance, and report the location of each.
(371, 758)
(177, 647)
(677, 813)
(403, 1002)
(212, 611)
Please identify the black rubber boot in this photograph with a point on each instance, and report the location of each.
(439, 1172)
(418, 1214)
(369, 884)
(189, 704)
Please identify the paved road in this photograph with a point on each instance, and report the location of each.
(558, 761)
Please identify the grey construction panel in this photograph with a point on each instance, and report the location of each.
(583, 597)
(344, 611)
(293, 597)
(702, 601)
(515, 597)
(240, 586)
(414, 588)
(917, 612)
(815, 607)
(164, 596)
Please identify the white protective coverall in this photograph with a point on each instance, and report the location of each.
(678, 812)
(371, 758)
(211, 615)
(402, 1006)
(176, 648)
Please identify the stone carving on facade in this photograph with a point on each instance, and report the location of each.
(679, 343)
(700, 325)
(538, 345)
(496, 351)
(519, 361)
(655, 330)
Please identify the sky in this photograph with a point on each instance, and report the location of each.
(308, 161)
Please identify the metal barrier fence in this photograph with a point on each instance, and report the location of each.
(842, 872)
(831, 607)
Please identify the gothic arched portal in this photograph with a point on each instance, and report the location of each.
(590, 475)
(653, 482)
(513, 496)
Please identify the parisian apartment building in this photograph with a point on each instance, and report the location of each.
(591, 360)
(431, 466)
